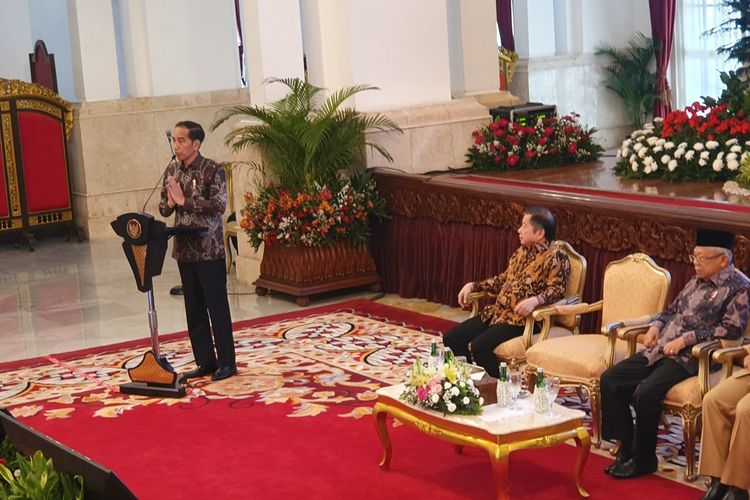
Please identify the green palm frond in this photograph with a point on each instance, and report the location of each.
(306, 139)
(629, 76)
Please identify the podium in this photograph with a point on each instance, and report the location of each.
(145, 245)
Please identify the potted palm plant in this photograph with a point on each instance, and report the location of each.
(629, 75)
(313, 212)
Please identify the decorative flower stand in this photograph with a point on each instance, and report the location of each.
(305, 271)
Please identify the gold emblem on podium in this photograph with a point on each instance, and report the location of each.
(134, 229)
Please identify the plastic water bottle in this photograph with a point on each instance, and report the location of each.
(502, 386)
(540, 398)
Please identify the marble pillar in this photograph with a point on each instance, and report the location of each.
(93, 47)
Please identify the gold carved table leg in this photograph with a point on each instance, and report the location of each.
(379, 414)
(583, 443)
(499, 460)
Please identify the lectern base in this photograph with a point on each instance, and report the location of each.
(144, 389)
(153, 376)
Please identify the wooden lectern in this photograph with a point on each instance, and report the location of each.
(145, 245)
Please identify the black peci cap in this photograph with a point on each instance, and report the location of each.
(714, 238)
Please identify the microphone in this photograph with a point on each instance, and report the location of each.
(161, 177)
(169, 141)
(158, 182)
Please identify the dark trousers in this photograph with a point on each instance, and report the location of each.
(207, 307)
(483, 338)
(633, 382)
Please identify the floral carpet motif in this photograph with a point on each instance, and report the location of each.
(326, 360)
(332, 360)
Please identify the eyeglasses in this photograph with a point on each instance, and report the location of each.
(702, 258)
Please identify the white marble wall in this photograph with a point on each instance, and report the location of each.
(435, 137)
(118, 150)
(573, 83)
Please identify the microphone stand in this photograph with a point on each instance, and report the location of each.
(161, 177)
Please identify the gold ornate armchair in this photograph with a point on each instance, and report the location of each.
(633, 286)
(231, 228)
(513, 352)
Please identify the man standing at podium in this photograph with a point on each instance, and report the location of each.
(195, 190)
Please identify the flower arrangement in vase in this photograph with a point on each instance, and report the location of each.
(446, 387)
(547, 142)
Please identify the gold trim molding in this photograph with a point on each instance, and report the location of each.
(50, 218)
(20, 89)
(10, 224)
(10, 165)
(42, 106)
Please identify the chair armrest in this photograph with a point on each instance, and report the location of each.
(626, 325)
(727, 356)
(475, 297)
(628, 330)
(702, 352)
(564, 307)
(565, 310)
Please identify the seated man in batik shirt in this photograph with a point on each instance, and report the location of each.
(537, 274)
(713, 305)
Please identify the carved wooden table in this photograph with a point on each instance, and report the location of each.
(498, 431)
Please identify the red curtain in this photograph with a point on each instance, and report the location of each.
(504, 12)
(662, 31)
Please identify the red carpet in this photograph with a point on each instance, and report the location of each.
(294, 424)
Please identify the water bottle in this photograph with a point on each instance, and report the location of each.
(540, 398)
(432, 360)
(448, 356)
(502, 386)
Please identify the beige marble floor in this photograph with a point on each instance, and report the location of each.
(67, 295)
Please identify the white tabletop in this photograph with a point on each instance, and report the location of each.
(497, 420)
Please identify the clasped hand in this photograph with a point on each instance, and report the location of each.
(175, 196)
(671, 348)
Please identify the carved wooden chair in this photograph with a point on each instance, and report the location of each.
(513, 352)
(231, 228)
(633, 286)
(686, 398)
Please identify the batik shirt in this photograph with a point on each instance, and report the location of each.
(538, 271)
(204, 185)
(713, 308)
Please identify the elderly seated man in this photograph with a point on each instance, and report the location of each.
(713, 305)
(725, 443)
(537, 274)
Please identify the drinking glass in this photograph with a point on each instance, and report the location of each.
(551, 389)
(514, 379)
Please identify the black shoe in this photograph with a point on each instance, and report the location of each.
(201, 371)
(632, 469)
(716, 491)
(176, 290)
(735, 493)
(224, 372)
(620, 459)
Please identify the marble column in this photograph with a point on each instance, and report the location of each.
(272, 33)
(472, 35)
(135, 61)
(92, 35)
(401, 47)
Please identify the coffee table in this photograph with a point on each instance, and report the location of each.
(499, 431)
